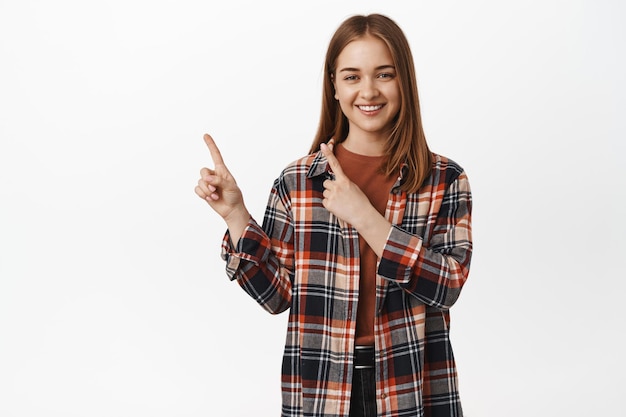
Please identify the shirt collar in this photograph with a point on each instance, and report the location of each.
(320, 167)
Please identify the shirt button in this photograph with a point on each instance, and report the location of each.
(383, 396)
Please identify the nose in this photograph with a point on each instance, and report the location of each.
(369, 89)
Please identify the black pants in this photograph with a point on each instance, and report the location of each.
(363, 402)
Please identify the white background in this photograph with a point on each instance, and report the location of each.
(113, 298)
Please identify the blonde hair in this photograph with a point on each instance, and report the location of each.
(407, 142)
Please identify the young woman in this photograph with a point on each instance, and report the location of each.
(366, 241)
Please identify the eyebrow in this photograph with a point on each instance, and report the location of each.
(350, 69)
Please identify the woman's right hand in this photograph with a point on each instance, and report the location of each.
(219, 189)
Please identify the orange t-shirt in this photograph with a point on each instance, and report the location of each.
(365, 172)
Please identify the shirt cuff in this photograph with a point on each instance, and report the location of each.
(400, 254)
(250, 248)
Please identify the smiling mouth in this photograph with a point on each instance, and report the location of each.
(370, 108)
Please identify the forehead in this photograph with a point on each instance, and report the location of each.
(364, 51)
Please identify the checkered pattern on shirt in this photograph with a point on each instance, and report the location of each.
(305, 260)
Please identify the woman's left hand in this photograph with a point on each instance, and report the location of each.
(345, 200)
(342, 197)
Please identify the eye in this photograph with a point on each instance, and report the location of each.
(351, 77)
(386, 75)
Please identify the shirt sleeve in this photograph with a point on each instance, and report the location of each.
(262, 260)
(434, 271)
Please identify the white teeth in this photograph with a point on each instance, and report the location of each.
(370, 108)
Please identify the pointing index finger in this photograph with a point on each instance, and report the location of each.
(216, 155)
(332, 159)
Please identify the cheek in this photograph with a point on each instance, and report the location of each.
(341, 98)
(345, 96)
(344, 107)
(394, 97)
(396, 94)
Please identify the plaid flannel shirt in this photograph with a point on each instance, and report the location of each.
(305, 260)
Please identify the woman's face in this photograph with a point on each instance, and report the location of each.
(367, 88)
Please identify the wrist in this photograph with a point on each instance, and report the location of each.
(374, 228)
(239, 216)
(365, 218)
(237, 221)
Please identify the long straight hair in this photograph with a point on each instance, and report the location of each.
(407, 142)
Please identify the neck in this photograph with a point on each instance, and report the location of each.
(365, 146)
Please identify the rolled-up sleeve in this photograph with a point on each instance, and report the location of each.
(434, 271)
(262, 260)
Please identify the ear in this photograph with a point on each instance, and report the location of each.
(332, 80)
